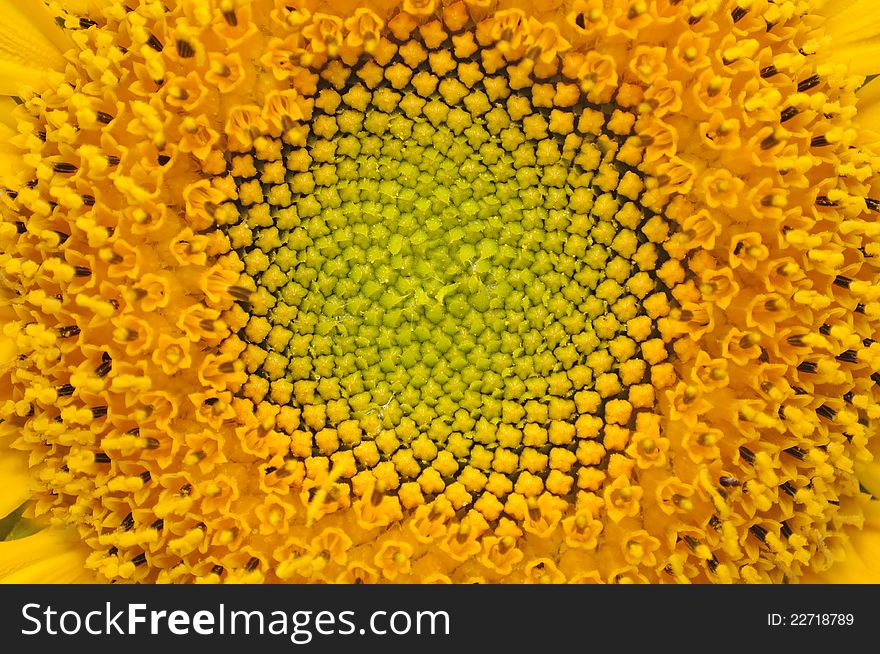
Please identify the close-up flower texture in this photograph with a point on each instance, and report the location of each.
(499, 291)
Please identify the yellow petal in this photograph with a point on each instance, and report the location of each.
(9, 163)
(8, 348)
(15, 481)
(7, 105)
(31, 46)
(869, 106)
(854, 26)
(869, 477)
(860, 560)
(51, 556)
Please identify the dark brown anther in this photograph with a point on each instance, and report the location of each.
(758, 532)
(729, 482)
(785, 530)
(788, 489)
(128, 522)
(64, 168)
(104, 117)
(69, 331)
(230, 18)
(252, 564)
(787, 114)
(113, 551)
(769, 142)
(826, 412)
(82, 271)
(113, 160)
(140, 559)
(217, 570)
(819, 142)
(152, 443)
(155, 43)
(690, 541)
(823, 201)
(747, 454)
(184, 49)
(240, 293)
(849, 356)
(163, 159)
(809, 83)
(64, 390)
(738, 14)
(808, 367)
(842, 281)
(158, 525)
(88, 200)
(769, 71)
(101, 457)
(99, 411)
(872, 204)
(796, 452)
(85, 23)
(105, 366)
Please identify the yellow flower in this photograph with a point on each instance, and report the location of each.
(439, 291)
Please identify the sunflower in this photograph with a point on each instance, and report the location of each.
(439, 291)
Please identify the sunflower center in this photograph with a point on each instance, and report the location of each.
(450, 275)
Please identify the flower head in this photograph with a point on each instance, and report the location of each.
(438, 291)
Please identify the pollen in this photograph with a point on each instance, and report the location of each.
(435, 289)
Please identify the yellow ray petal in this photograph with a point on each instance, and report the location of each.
(6, 107)
(854, 26)
(860, 563)
(9, 164)
(869, 106)
(8, 348)
(31, 46)
(51, 556)
(869, 477)
(15, 481)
